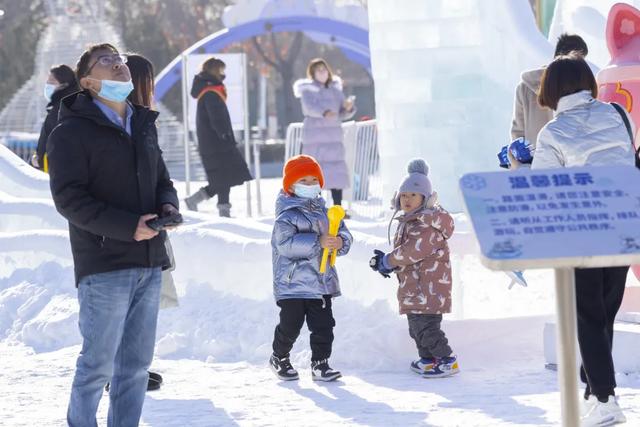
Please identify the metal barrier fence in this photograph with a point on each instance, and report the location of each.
(22, 143)
(364, 197)
(293, 141)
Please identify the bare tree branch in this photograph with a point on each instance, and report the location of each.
(276, 52)
(294, 49)
(263, 55)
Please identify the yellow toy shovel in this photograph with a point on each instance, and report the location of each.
(335, 214)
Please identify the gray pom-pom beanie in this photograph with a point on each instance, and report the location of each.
(418, 179)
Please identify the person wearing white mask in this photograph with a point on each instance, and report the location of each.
(302, 292)
(108, 178)
(61, 82)
(324, 107)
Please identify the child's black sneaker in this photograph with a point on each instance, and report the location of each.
(321, 371)
(281, 366)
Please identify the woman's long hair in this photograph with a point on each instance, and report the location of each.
(143, 78)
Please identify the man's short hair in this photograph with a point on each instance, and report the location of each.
(568, 43)
(564, 76)
(83, 65)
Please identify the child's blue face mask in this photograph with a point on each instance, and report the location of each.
(306, 191)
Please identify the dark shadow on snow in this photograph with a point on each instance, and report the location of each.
(354, 408)
(184, 412)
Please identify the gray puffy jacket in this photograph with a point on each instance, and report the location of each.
(295, 243)
(585, 131)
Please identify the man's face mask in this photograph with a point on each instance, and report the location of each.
(114, 90)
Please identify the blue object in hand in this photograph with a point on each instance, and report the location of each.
(521, 150)
(377, 263)
(503, 157)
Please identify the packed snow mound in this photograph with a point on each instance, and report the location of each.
(18, 179)
(39, 308)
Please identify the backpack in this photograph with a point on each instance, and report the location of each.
(625, 119)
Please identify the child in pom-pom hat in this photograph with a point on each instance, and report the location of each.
(420, 258)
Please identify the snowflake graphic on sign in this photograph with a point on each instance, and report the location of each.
(506, 250)
(473, 182)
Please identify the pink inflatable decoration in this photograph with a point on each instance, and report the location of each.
(619, 81)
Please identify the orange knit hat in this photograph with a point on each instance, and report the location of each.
(298, 167)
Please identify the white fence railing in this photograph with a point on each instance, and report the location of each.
(364, 197)
(293, 141)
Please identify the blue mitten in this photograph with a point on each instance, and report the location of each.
(521, 150)
(504, 158)
(380, 264)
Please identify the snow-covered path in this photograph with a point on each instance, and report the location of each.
(503, 390)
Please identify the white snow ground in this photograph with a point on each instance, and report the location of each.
(212, 350)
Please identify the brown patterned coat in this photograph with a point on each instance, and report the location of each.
(422, 252)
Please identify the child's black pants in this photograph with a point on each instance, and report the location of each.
(320, 322)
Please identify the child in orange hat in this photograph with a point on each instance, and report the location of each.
(301, 291)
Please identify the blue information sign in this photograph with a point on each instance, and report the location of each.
(554, 218)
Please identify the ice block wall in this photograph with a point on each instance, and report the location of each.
(445, 73)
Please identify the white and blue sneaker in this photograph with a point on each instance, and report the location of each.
(442, 367)
(422, 365)
(603, 414)
(587, 404)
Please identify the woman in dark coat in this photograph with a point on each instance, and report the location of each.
(221, 159)
(61, 82)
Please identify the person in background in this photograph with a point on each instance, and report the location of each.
(143, 78)
(223, 164)
(528, 116)
(324, 107)
(60, 83)
(588, 132)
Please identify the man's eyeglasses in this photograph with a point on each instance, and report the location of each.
(108, 61)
